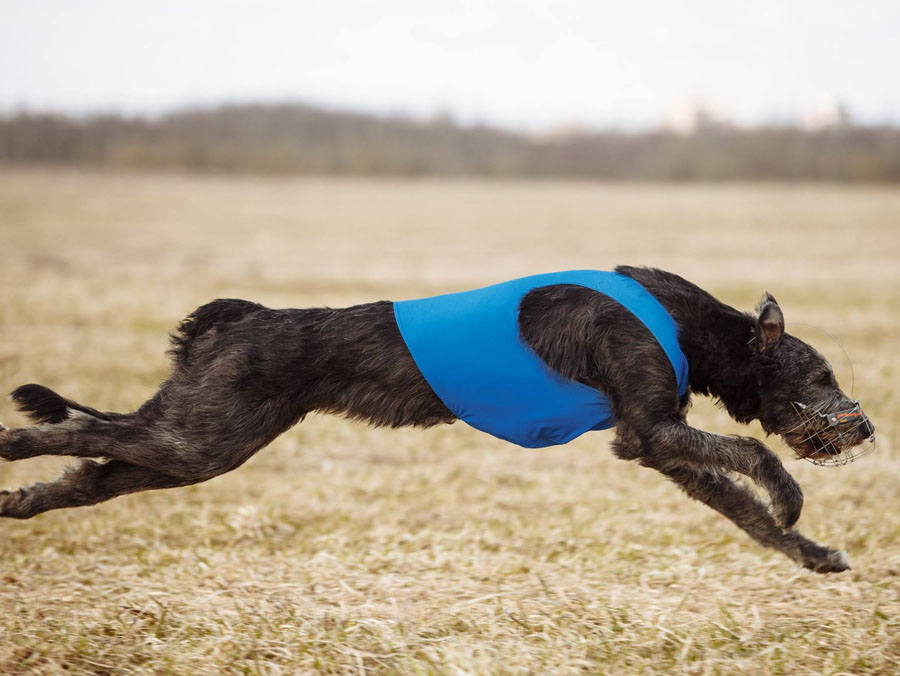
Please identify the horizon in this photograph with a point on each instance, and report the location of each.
(693, 122)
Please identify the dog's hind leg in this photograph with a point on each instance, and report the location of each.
(142, 456)
(80, 435)
(86, 483)
(739, 505)
(199, 434)
(65, 427)
(157, 445)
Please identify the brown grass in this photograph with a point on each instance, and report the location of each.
(342, 549)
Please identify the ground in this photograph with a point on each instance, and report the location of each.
(342, 549)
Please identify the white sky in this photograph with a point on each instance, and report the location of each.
(529, 64)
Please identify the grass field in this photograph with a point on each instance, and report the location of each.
(342, 549)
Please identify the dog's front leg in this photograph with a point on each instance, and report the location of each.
(680, 445)
(740, 505)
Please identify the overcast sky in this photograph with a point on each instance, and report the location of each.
(521, 63)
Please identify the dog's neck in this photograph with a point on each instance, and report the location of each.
(714, 338)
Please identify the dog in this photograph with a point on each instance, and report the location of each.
(244, 373)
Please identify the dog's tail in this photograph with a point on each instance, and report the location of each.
(201, 320)
(43, 405)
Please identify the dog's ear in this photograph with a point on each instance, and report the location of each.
(769, 324)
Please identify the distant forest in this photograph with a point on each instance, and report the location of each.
(309, 140)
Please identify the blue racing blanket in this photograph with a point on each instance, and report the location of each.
(468, 347)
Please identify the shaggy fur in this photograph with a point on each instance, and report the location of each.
(243, 374)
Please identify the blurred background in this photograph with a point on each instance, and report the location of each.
(154, 156)
(694, 91)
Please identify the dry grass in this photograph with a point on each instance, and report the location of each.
(342, 549)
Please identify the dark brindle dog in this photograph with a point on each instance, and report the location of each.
(244, 373)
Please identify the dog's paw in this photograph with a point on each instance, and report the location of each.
(11, 503)
(825, 560)
(787, 506)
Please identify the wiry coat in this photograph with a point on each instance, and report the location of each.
(243, 374)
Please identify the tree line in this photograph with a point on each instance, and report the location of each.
(304, 139)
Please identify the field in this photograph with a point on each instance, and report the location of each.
(343, 549)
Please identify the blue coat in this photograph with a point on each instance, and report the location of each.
(468, 347)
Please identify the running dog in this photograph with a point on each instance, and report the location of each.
(535, 361)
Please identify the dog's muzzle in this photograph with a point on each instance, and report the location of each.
(835, 437)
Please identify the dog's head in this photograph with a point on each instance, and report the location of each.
(800, 397)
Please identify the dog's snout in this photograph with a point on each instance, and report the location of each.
(867, 427)
(864, 426)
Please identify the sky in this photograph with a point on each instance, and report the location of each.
(523, 64)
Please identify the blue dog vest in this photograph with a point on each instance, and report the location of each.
(468, 347)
